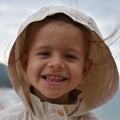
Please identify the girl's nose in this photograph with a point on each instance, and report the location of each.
(56, 63)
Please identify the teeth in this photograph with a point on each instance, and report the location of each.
(54, 78)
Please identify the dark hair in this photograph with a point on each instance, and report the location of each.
(58, 17)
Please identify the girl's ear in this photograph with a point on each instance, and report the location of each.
(87, 66)
(24, 61)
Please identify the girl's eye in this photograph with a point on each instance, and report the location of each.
(71, 57)
(44, 54)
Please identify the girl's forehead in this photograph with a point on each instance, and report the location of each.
(58, 35)
(54, 29)
(58, 31)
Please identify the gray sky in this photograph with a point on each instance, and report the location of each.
(14, 12)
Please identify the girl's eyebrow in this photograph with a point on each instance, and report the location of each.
(41, 47)
(74, 50)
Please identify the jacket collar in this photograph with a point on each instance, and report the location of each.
(71, 110)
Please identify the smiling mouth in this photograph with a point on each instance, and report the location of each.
(52, 78)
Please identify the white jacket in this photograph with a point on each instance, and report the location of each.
(47, 111)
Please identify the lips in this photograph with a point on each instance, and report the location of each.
(54, 78)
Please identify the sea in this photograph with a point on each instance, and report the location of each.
(109, 111)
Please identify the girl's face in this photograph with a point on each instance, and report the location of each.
(56, 61)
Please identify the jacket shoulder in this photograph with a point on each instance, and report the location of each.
(13, 112)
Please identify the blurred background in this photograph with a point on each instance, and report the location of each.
(14, 12)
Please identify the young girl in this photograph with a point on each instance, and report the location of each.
(60, 67)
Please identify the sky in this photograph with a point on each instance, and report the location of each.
(14, 12)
